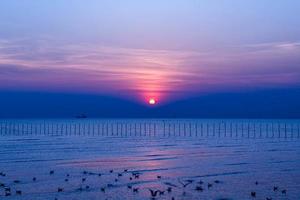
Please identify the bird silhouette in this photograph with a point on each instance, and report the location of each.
(283, 191)
(17, 181)
(34, 178)
(199, 188)
(18, 192)
(60, 189)
(275, 188)
(51, 172)
(169, 189)
(253, 194)
(209, 185)
(153, 192)
(161, 192)
(200, 182)
(135, 190)
(184, 184)
(2, 174)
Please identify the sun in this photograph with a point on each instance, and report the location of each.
(152, 101)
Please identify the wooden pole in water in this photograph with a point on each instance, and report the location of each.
(272, 129)
(107, 129)
(207, 129)
(225, 128)
(242, 129)
(231, 129)
(164, 128)
(236, 129)
(196, 129)
(298, 135)
(267, 130)
(260, 130)
(285, 131)
(219, 129)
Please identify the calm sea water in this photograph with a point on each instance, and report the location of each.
(231, 155)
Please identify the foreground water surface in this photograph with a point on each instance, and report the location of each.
(152, 166)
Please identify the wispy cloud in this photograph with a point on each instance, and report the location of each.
(48, 64)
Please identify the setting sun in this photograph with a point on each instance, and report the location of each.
(152, 101)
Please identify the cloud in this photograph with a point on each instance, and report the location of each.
(52, 64)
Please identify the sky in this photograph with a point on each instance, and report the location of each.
(119, 54)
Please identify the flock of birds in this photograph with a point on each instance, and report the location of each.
(183, 184)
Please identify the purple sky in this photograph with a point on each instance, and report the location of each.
(162, 49)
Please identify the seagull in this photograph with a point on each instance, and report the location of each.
(283, 191)
(253, 194)
(60, 189)
(34, 179)
(275, 188)
(18, 192)
(2, 174)
(51, 172)
(161, 192)
(199, 188)
(153, 193)
(209, 185)
(200, 182)
(135, 189)
(184, 184)
(169, 189)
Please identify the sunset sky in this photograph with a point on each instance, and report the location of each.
(173, 51)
